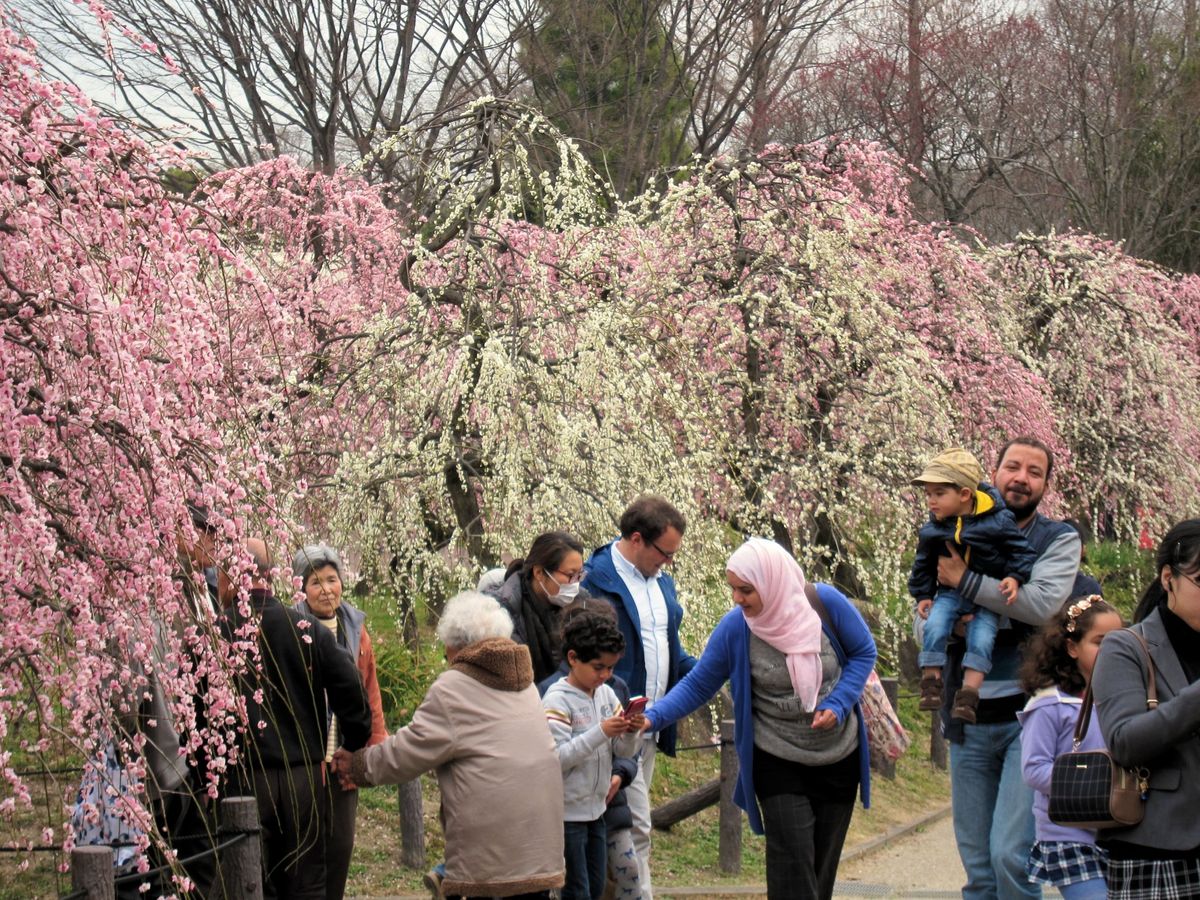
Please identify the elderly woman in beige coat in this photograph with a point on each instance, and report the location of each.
(482, 728)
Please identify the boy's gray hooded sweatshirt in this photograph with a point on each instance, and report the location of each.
(584, 751)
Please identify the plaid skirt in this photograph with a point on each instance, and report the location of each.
(1065, 862)
(1153, 879)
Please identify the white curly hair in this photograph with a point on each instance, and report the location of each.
(470, 616)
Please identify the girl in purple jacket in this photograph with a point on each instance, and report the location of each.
(1058, 667)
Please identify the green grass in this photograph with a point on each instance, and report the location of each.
(1122, 570)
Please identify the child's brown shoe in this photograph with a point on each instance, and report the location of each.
(965, 701)
(931, 691)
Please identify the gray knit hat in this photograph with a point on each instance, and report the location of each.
(312, 556)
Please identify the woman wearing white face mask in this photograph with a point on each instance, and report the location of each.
(535, 592)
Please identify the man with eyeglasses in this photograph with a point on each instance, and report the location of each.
(629, 574)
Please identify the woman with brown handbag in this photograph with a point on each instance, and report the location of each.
(1160, 856)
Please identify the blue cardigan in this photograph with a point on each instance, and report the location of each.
(727, 658)
(601, 580)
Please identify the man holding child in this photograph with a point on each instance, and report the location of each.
(993, 818)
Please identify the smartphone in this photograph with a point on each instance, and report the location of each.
(637, 706)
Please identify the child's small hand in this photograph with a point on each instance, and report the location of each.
(1008, 588)
(614, 725)
(613, 787)
(923, 607)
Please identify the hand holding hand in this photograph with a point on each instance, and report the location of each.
(1008, 589)
(824, 719)
(639, 723)
(951, 568)
(923, 607)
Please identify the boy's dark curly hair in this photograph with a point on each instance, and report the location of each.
(591, 633)
(1046, 660)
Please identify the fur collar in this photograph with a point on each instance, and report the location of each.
(498, 663)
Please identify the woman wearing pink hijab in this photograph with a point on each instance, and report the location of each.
(798, 733)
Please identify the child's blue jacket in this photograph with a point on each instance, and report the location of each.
(990, 543)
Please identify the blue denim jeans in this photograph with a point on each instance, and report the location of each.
(993, 812)
(585, 847)
(1092, 889)
(947, 607)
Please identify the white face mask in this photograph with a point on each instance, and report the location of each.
(566, 592)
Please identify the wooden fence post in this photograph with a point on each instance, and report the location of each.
(241, 865)
(675, 811)
(730, 855)
(412, 825)
(937, 743)
(92, 871)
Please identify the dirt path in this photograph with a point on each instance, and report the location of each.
(922, 864)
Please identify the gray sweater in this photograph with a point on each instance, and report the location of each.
(781, 726)
(584, 751)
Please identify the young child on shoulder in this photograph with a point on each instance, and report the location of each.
(589, 729)
(967, 513)
(1057, 669)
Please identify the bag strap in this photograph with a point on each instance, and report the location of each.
(818, 605)
(1085, 712)
(815, 601)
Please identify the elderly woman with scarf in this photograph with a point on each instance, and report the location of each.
(535, 592)
(800, 738)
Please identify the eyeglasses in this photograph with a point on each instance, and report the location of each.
(1187, 577)
(571, 579)
(663, 553)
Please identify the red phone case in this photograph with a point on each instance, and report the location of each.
(637, 705)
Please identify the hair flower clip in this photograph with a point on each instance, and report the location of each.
(1078, 608)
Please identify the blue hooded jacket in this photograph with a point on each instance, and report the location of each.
(990, 542)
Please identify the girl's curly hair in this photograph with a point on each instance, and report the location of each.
(1047, 663)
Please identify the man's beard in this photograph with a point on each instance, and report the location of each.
(1023, 507)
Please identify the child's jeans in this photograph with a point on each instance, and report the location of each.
(623, 864)
(586, 852)
(947, 607)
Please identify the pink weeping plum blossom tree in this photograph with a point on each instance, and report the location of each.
(120, 406)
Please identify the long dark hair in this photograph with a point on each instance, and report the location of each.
(1047, 662)
(542, 620)
(1180, 551)
(548, 550)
